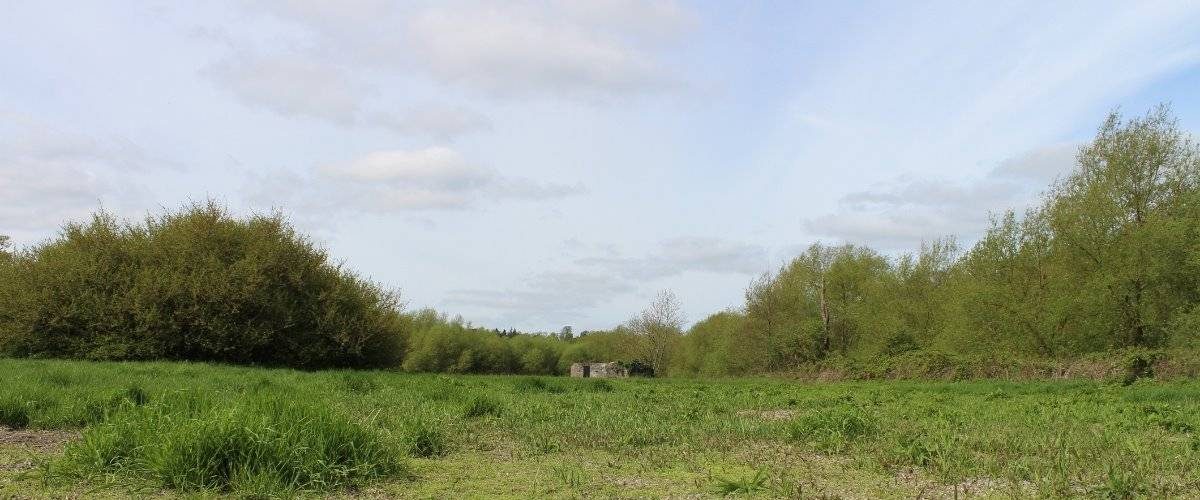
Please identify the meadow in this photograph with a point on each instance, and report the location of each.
(115, 429)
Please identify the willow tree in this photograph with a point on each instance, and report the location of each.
(1116, 223)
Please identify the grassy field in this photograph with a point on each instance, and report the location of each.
(168, 429)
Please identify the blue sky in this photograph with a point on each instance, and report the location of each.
(539, 164)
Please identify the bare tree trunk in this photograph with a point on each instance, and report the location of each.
(824, 320)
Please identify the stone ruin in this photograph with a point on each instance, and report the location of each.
(598, 370)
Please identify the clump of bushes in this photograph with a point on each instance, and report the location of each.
(194, 284)
(253, 446)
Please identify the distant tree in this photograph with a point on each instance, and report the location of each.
(658, 329)
(714, 347)
(566, 333)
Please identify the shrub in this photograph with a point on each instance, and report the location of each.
(195, 284)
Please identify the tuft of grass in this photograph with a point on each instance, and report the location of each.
(249, 446)
(482, 406)
(745, 485)
(14, 413)
(135, 395)
(570, 475)
(424, 439)
(598, 385)
(359, 383)
(1120, 484)
(834, 427)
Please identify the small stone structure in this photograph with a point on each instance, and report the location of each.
(598, 370)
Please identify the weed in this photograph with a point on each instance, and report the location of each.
(571, 476)
(745, 485)
(1120, 484)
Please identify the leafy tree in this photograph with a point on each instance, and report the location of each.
(712, 347)
(1115, 223)
(658, 329)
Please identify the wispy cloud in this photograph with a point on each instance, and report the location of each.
(599, 279)
(907, 211)
(435, 178)
(49, 175)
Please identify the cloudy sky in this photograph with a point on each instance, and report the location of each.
(540, 164)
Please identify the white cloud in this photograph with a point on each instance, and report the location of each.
(516, 50)
(435, 178)
(436, 121)
(436, 167)
(679, 255)
(546, 297)
(293, 85)
(300, 85)
(575, 49)
(49, 176)
(567, 294)
(907, 211)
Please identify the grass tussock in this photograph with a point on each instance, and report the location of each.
(483, 406)
(255, 446)
(14, 413)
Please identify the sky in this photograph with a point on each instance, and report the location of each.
(536, 164)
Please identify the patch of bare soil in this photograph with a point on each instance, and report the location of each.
(969, 488)
(769, 414)
(40, 441)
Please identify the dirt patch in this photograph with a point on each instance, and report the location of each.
(41, 441)
(769, 414)
(969, 488)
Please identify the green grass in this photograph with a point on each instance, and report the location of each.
(182, 428)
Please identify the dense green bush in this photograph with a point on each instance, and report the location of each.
(194, 284)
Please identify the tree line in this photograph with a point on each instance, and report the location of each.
(1108, 259)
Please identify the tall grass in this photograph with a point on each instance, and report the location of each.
(196, 427)
(252, 446)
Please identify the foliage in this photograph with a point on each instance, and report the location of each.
(194, 284)
(657, 331)
(1107, 261)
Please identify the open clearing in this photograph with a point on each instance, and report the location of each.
(166, 429)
